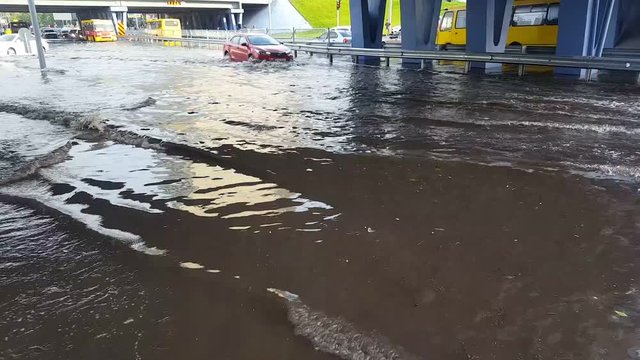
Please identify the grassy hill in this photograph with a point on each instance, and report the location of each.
(322, 13)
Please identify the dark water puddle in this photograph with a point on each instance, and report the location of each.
(144, 221)
(440, 259)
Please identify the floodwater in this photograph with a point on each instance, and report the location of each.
(161, 203)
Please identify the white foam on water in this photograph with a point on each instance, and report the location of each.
(40, 192)
(191, 265)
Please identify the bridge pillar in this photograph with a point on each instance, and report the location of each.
(585, 27)
(367, 21)
(114, 19)
(419, 26)
(124, 20)
(615, 26)
(232, 21)
(237, 16)
(487, 27)
(118, 13)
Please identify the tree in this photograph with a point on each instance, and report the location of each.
(43, 19)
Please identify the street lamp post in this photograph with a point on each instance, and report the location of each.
(270, 25)
(390, 16)
(36, 33)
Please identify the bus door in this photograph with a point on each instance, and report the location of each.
(445, 31)
(459, 36)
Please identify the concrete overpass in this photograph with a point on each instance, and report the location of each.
(204, 14)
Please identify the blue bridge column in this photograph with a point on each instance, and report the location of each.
(585, 27)
(419, 25)
(487, 28)
(367, 21)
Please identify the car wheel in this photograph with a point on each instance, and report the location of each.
(11, 51)
(251, 58)
(225, 55)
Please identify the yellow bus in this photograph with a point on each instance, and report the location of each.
(533, 23)
(168, 28)
(98, 30)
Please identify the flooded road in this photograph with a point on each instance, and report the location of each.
(162, 203)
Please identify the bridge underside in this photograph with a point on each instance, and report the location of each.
(585, 27)
(196, 14)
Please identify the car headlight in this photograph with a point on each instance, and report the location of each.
(262, 52)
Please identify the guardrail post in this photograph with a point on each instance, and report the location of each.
(522, 67)
(293, 37)
(388, 61)
(295, 53)
(467, 67)
(330, 58)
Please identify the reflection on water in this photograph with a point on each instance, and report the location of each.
(216, 188)
(148, 181)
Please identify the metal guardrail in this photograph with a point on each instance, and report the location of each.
(591, 63)
(514, 59)
(181, 41)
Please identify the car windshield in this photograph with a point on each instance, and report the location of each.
(102, 27)
(345, 33)
(7, 37)
(262, 40)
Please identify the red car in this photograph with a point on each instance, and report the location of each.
(256, 47)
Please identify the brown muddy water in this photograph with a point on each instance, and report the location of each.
(161, 203)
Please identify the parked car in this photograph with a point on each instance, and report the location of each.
(395, 32)
(75, 34)
(50, 33)
(13, 45)
(336, 35)
(245, 47)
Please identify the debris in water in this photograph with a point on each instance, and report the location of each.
(370, 230)
(215, 271)
(128, 321)
(621, 313)
(318, 241)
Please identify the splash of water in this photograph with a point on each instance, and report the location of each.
(335, 335)
(54, 157)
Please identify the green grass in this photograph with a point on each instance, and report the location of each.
(322, 13)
